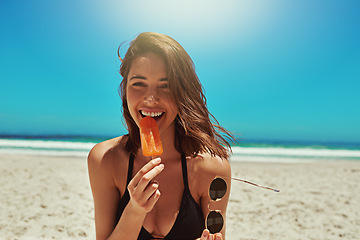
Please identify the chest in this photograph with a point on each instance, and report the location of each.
(162, 217)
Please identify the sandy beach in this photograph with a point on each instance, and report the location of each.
(50, 198)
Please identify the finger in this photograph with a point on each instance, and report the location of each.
(150, 190)
(152, 200)
(145, 180)
(146, 168)
(205, 234)
(218, 236)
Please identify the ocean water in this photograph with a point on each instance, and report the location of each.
(245, 150)
(294, 151)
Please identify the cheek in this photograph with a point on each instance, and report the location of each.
(173, 108)
(131, 96)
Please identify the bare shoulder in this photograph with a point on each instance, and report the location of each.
(203, 168)
(107, 153)
(108, 163)
(100, 149)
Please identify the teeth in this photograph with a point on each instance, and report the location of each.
(151, 114)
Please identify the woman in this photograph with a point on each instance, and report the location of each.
(167, 197)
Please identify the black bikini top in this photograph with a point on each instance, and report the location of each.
(189, 223)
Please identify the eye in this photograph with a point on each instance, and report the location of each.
(138, 84)
(164, 85)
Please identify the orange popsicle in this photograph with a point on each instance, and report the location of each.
(150, 137)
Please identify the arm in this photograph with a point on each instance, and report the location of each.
(105, 193)
(106, 197)
(213, 167)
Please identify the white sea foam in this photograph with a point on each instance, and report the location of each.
(10, 143)
(255, 154)
(288, 155)
(44, 152)
(269, 159)
(45, 147)
(300, 152)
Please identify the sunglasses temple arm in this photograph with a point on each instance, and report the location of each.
(241, 180)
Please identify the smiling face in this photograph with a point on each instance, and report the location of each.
(148, 94)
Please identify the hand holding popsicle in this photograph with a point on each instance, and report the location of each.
(143, 190)
(150, 137)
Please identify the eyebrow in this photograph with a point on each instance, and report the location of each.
(137, 77)
(144, 78)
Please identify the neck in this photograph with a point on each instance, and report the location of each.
(168, 141)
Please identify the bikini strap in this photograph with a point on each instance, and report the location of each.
(184, 171)
(130, 168)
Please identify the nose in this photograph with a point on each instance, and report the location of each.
(151, 97)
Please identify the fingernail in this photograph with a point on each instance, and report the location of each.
(158, 194)
(161, 166)
(217, 238)
(205, 233)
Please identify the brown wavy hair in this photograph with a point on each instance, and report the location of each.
(196, 129)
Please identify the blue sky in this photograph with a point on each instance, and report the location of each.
(271, 69)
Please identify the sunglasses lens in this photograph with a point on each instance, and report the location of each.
(214, 222)
(217, 188)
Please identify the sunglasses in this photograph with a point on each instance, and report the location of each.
(214, 220)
